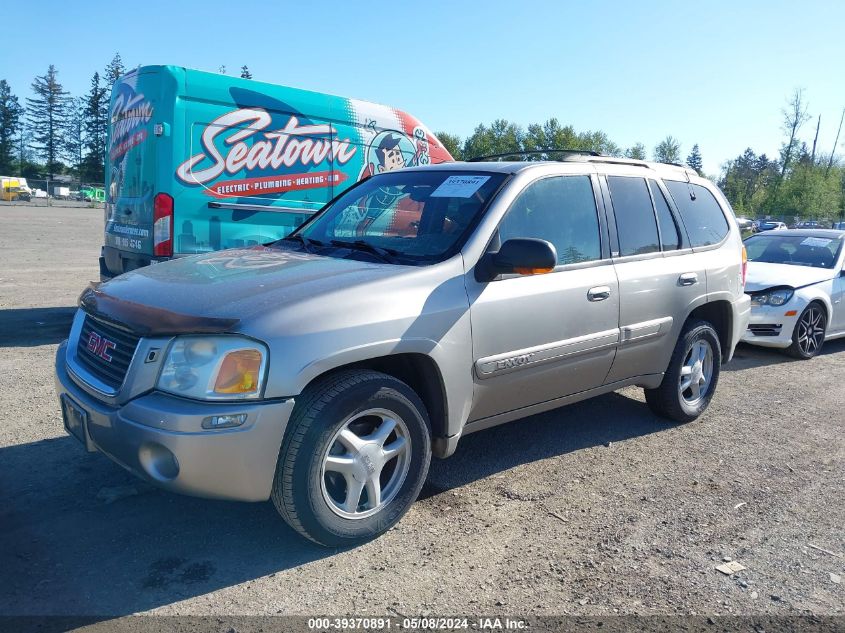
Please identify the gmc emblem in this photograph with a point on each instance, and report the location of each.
(100, 346)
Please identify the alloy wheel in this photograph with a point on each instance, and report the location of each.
(811, 330)
(696, 373)
(366, 463)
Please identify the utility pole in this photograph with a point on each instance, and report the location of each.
(835, 143)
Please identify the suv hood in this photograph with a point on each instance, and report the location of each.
(762, 275)
(217, 291)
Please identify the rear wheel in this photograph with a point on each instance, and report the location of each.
(808, 335)
(354, 458)
(690, 380)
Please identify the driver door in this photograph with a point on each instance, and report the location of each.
(538, 338)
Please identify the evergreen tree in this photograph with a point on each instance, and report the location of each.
(668, 150)
(23, 151)
(47, 115)
(694, 160)
(95, 122)
(73, 137)
(114, 71)
(10, 116)
(245, 74)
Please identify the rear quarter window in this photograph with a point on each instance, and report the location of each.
(702, 216)
(635, 221)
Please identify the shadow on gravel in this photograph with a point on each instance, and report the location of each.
(609, 418)
(83, 537)
(752, 356)
(80, 536)
(28, 327)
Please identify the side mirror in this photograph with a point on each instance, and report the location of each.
(521, 256)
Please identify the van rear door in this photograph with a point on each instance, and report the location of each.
(130, 175)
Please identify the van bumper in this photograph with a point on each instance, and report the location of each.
(160, 439)
(114, 262)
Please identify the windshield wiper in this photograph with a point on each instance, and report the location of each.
(305, 241)
(385, 254)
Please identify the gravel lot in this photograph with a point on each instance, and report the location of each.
(598, 508)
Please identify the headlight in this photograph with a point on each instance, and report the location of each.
(773, 297)
(214, 368)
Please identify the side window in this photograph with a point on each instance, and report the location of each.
(702, 215)
(561, 210)
(669, 237)
(635, 221)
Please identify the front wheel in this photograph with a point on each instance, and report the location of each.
(690, 380)
(808, 335)
(354, 458)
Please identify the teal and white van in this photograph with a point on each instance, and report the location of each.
(200, 162)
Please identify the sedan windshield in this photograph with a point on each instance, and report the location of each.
(409, 217)
(798, 250)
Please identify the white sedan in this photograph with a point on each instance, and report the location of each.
(797, 285)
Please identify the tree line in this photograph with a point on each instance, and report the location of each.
(56, 133)
(502, 137)
(803, 181)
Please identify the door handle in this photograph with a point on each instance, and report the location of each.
(688, 279)
(599, 293)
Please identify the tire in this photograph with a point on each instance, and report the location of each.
(810, 330)
(320, 471)
(669, 400)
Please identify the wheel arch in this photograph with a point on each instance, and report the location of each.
(420, 372)
(820, 298)
(719, 314)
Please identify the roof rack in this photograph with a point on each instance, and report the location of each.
(584, 155)
(583, 152)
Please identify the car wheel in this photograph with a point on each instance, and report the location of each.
(691, 378)
(354, 458)
(808, 335)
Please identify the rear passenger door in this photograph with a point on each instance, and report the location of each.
(540, 337)
(660, 278)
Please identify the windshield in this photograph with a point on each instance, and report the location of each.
(798, 250)
(409, 217)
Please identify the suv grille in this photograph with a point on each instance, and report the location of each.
(106, 350)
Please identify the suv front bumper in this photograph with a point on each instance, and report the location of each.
(160, 438)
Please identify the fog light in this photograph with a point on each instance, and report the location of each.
(224, 421)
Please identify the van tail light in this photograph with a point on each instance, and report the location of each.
(744, 265)
(163, 225)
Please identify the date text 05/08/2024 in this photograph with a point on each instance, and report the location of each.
(417, 623)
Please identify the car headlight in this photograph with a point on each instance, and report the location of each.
(773, 297)
(214, 368)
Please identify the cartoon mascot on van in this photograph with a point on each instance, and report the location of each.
(390, 150)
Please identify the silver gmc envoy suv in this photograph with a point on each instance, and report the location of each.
(324, 370)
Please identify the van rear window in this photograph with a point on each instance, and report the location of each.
(702, 216)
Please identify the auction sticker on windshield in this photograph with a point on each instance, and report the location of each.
(459, 186)
(816, 241)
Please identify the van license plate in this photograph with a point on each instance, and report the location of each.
(75, 419)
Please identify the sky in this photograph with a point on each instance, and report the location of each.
(717, 73)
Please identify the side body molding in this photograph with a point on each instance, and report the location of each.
(540, 354)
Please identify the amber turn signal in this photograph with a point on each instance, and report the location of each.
(239, 372)
(532, 271)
